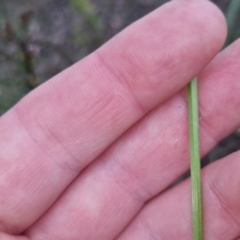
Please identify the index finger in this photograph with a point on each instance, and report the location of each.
(53, 133)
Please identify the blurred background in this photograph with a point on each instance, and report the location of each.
(38, 39)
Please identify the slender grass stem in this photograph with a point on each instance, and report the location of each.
(195, 160)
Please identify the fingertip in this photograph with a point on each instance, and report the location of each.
(171, 44)
(209, 19)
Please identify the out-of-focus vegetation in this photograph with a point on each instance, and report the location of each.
(233, 20)
(40, 38)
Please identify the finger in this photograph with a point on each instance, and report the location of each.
(61, 127)
(145, 160)
(4, 236)
(169, 215)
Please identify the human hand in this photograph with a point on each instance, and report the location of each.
(89, 154)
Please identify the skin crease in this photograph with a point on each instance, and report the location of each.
(74, 121)
(43, 150)
(221, 207)
(108, 176)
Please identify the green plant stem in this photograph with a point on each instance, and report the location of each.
(195, 160)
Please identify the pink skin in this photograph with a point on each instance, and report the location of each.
(97, 113)
(168, 216)
(145, 160)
